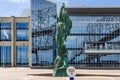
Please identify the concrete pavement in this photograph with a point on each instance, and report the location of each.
(18, 73)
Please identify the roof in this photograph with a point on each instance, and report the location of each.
(50, 1)
(92, 10)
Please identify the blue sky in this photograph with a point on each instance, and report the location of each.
(15, 7)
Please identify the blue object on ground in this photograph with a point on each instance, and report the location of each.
(71, 78)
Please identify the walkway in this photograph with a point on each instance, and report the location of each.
(45, 74)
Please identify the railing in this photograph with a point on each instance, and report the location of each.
(102, 48)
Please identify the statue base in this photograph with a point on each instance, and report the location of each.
(60, 67)
(60, 73)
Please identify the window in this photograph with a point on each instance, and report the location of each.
(5, 31)
(22, 35)
(5, 25)
(21, 25)
(5, 55)
(22, 55)
(22, 31)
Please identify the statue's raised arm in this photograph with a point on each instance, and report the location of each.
(61, 13)
(68, 23)
(64, 17)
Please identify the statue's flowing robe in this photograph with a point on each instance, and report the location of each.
(63, 28)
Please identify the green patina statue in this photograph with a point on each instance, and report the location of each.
(63, 27)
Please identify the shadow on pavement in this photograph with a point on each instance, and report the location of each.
(78, 75)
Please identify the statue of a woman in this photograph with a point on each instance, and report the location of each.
(63, 28)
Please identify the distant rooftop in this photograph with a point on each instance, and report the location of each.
(25, 13)
(92, 10)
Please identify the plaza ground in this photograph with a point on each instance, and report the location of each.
(18, 73)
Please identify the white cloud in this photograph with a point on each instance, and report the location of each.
(18, 1)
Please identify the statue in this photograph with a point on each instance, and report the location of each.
(63, 27)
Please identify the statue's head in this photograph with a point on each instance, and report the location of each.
(63, 4)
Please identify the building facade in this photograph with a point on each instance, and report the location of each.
(43, 23)
(14, 41)
(94, 41)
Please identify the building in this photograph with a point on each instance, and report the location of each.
(43, 23)
(96, 37)
(25, 13)
(94, 41)
(14, 41)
